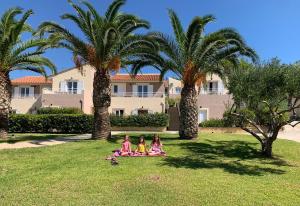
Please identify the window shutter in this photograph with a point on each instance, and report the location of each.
(150, 91)
(134, 90)
(220, 87)
(31, 91)
(80, 87)
(63, 86)
(17, 92)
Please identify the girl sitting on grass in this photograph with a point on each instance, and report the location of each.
(125, 148)
(141, 147)
(156, 147)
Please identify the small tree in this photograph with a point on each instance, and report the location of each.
(265, 99)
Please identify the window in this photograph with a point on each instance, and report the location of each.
(118, 112)
(115, 88)
(142, 90)
(213, 87)
(72, 87)
(177, 90)
(24, 91)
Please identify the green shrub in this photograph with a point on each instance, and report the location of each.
(51, 123)
(172, 101)
(78, 123)
(54, 110)
(216, 123)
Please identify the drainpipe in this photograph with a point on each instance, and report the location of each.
(81, 103)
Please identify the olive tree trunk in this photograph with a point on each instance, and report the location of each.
(188, 128)
(267, 144)
(102, 101)
(5, 98)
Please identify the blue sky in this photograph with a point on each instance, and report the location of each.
(271, 27)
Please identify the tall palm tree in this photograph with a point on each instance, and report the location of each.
(191, 55)
(108, 44)
(16, 54)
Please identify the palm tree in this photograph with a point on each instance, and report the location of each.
(16, 54)
(191, 55)
(108, 44)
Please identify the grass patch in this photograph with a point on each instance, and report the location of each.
(217, 169)
(19, 137)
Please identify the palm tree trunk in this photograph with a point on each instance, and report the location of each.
(5, 98)
(102, 101)
(188, 128)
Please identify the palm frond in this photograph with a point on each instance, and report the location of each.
(113, 9)
(177, 28)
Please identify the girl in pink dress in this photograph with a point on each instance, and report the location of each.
(125, 148)
(156, 147)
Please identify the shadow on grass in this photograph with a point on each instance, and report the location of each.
(237, 157)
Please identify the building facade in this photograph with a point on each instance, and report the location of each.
(145, 93)
(74, 88)
(213, 98)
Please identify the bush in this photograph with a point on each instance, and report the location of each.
(216, 123)
(51, 123)
(55, 110)
(172, 101)
(149, 120)
(78, 123)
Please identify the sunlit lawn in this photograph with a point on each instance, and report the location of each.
(214, 170)
(18, 137)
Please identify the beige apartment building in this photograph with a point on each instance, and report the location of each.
(73, 88)
(143, 94)
(213, 97)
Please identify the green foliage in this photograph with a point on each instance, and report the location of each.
(16, 54)
(149, 120)
(261, 93)
(216, 123)
(172, 101)
(106, 41)
(53, 110)
(193, 53)
(48, 123)
(78, 123)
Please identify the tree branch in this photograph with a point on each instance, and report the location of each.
(252, 123)
(252, 133)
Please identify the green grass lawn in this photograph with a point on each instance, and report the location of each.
(217, 169)
(13, 138)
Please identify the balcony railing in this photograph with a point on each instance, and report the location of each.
(138, 94)
(212, 91)
(17, 96)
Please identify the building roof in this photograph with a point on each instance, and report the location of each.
(138, 77)
(31, 80)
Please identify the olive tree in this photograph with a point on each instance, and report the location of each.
(265, 99)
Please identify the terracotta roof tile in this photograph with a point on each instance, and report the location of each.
(139, 77)
(31, 80)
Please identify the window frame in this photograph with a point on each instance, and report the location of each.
(72, 90)
(25, 92)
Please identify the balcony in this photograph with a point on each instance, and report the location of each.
(139, 94)
(213, 91)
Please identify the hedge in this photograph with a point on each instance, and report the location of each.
(53, 110)
(78, 123)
